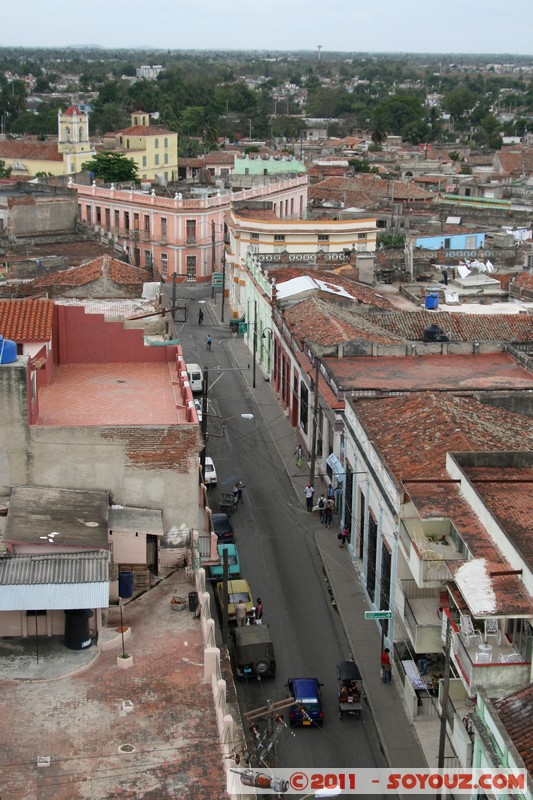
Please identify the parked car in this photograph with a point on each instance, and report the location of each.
(199, 412)
(252, 651)
(216, 572)
(210, 475)
(222, 526)
(237, 590)
(196, 378)
(307, 708)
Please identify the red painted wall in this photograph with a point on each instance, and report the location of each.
(88, 339)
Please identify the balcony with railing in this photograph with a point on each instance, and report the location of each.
(422, 617)
(497, 667)
(428, 545)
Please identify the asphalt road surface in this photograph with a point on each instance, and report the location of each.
(279, 558)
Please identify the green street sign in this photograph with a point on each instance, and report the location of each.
(378, 614)
(217, 279)
(243, 327)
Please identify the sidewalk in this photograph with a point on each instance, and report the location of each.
(397, 735)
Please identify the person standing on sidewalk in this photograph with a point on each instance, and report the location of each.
(309, 492)
(240, 613)
(343, 536)
(258, 612)
(321, 506)
(298, 453)
(328, 513)
(386, 667)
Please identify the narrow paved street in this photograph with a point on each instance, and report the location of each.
(275, 538)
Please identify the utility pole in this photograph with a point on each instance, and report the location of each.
(203, 426)
(223, 280)
(315, 413)
(212, 246)
(254, 344)
(445, 694)
(270, 712)
(174, 297)
(225, 595)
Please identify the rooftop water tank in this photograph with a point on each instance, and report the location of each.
(8, 351)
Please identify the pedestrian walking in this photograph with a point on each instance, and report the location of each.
(321, 506)
(208, 341)
(328, 513)
(258, 612)
(386, 667)
(298, 453)
(309, 492)
(240, 613)
(200, 317)
(331, 492)
(343, 536)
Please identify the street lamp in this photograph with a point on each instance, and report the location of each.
(264, 336)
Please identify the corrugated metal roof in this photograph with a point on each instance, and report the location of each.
(55, 568)
(54, 596)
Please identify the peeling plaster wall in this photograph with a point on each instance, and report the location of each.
(151, 467)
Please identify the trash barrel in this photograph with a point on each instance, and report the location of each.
(193, 601)
(77, 628)
(432, 300)
(125, 584)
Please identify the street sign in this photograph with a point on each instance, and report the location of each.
(378, 614)
(217, 279)
(243, 327)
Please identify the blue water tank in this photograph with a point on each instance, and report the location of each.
(432, 300)
(8, 351)
(125, 584)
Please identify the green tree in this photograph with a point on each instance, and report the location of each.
(395, 113)
(111, 167)
(5, 172)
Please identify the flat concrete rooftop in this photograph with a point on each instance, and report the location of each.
(112, 394)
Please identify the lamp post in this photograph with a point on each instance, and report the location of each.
(263, 336)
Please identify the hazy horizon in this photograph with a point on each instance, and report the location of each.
(456, 28)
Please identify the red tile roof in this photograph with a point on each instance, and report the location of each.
(26, 320)
(459, 327)
(516, 712)
(72, 111)
(363, 190)
(416, 431)
(32, 151)
(117, 271)
(322, 322)
(363, 294)
(447, 373)
(145, 130)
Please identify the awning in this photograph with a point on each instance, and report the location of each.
(54, 581)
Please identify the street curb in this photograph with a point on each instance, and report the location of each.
(379, 730)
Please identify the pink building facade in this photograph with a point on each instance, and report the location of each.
(174, 236)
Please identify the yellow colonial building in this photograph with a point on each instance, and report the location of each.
(154, 150)
(29, 157)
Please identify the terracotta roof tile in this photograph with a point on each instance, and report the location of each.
(34, 151)
(364, 190)
(118, 271)
(416, 431)
(516, 713)
(326, 323)
(26, 320)
(459, 327)
(144, 130)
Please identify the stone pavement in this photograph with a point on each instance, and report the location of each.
(160, 709)
(397, 735)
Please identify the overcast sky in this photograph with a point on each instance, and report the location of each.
(410, 26)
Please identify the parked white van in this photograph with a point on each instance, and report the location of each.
(196, 378)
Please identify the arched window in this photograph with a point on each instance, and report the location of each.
(67, 134)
